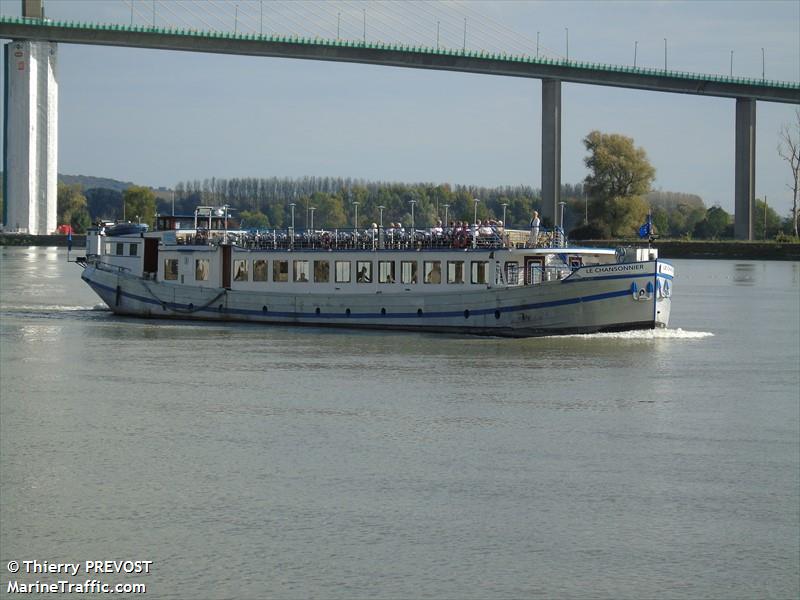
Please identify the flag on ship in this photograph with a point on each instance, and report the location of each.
(646, 229)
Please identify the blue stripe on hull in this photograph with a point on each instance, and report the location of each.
(338, 315)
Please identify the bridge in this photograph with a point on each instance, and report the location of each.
(34, 29)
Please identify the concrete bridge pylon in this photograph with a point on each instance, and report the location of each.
(30, 132)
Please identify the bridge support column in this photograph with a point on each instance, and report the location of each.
(745, 168)
(30, 132)
(30, 137)
(551, 149)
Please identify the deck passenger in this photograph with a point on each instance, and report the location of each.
(435, 275)
(363, 275)
(535, 223)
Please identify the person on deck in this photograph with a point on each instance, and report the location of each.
(535, 223)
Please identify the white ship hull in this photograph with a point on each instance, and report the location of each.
(593, 298)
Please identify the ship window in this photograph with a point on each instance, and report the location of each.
(433, 271)
(240, 270)
(385, 271)
(364, 271)
(108, 247)
(280, 270)
(133, 249)
(512, 273)
(170, 269)
(201, 269)
(322, 271)
(455, 271)
(259, 270)
(408, 271)
(480, 271)
(342, 271)
(120, 249)
(301, 273)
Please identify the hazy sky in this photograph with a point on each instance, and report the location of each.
(156, 117)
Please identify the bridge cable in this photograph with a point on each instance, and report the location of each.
(210, 28)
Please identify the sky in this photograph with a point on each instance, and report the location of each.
(158, 117)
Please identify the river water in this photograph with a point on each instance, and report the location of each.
(249, 461)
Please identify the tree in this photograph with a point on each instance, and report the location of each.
(104, 203)
(620, 175)
(254, 219)
(789, 150)
(684, 219)
(762, 212)
(71, 207)
(140, 204)
(661, 221)
(618, 168)
(714, 225)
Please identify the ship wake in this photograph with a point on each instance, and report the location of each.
(647, 334)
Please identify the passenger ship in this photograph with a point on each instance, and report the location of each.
(486, 281)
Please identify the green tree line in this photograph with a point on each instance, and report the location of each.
(613, 201)
(80, 210)
(674, 215)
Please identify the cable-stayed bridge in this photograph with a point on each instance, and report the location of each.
(380, 33)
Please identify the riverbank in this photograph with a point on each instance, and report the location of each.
(22, 239)
(666, 248)
(707, 249)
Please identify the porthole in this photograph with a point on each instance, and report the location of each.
(466, 314)
(383, 311)
(497, 314)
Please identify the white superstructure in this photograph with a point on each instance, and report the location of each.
(30, 137)
(450, 282)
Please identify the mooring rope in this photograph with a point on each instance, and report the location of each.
(184, 310)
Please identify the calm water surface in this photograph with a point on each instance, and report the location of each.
(249, 461)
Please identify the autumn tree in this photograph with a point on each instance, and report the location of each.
(789, 150)
(72, 207)
(620, 176)
(140, 204)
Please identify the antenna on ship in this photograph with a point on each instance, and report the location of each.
(380, 227)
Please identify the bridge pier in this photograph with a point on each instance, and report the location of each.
(745, 168)
(551, 149)
(30, 132)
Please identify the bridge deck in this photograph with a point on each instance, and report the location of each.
(420, 57)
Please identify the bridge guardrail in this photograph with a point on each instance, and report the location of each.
(524, 58)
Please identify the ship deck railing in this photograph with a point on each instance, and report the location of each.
(377, 239)
(537, 275)
(111, 268)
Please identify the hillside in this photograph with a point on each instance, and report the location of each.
(89, 182)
